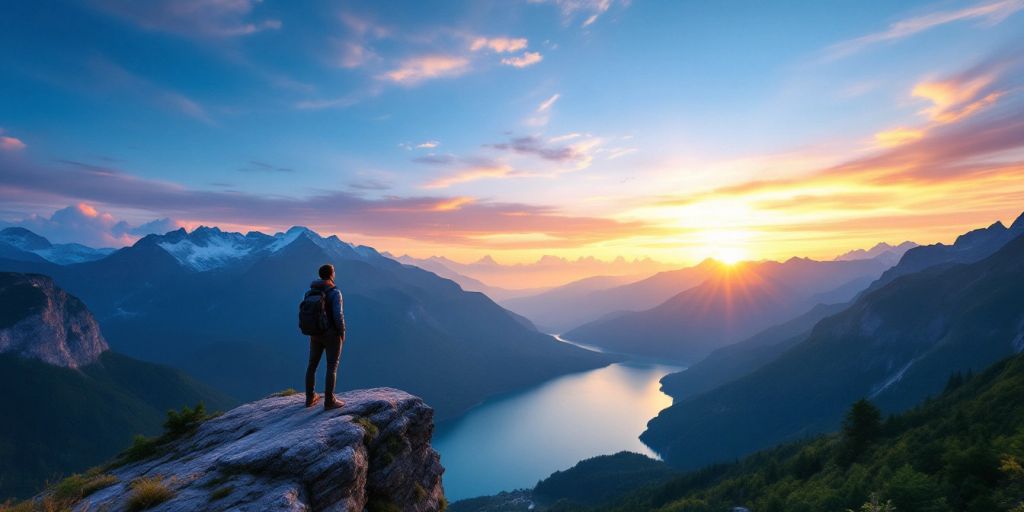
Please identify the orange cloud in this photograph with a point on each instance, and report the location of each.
(897, 137)
(417, 69)
(956, 99)
(479, 172)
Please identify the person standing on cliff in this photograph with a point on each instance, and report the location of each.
(321, 318)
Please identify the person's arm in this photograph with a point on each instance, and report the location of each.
(338, 312)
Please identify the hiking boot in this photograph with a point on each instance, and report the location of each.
(333, 403)
(312, 400)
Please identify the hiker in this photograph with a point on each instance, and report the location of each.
(321, 318)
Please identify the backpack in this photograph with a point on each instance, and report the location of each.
(313, 312)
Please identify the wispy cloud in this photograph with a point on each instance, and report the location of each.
(354, 49)
(548, 103)
(897, 136)
(474, 173)
(192, 18)
(498, 44)
(578, 153)
(435, 159)
(524, 60)
(257, 166)
(588, 10)
(417, 69)
(542, 114)
(370, 184)
(989, 12)
(113, 76)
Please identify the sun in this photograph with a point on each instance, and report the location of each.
(726, 246)
(728, 255)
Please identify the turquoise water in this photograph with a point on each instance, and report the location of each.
(513, 441)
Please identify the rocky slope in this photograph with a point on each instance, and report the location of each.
(276, 455)
(40, 321)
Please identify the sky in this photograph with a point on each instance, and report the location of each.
(642, 128)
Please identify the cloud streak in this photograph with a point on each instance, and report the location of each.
(437, 219)
(191, 18)
(525, 60)
(989, 12)
(417, 69)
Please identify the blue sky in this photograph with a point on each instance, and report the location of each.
(515, 128)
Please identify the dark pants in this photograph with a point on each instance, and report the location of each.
(317, 346)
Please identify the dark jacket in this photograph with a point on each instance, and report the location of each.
(335, 311)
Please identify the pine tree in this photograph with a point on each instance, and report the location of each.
(862, 426)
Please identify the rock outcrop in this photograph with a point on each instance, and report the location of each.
(276, 455)
(40, 321)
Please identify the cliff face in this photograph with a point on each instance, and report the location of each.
(276, 455)
(40, 321)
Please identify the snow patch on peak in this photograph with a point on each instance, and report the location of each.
(209, 252)
(285, 239)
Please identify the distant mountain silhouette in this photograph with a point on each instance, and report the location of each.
(222, 306)
(968, 247)
(14, 241)
(567, 306)
(890, 254)
(732, 303)
(76, 403)
(513, 279)
(896, 345)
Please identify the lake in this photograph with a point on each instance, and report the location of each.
(513, 441)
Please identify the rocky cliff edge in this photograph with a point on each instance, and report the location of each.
(276, 455)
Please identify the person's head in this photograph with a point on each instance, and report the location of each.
(327, 272)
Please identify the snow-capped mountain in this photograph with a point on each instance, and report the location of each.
(22, 239)
(209, 248)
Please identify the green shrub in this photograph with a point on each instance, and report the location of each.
(180, 423)
(147, 493)
(142, 448)
(285, 392)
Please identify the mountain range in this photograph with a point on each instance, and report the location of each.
(222, 306)
(889, 254)
(519, 279)
(896, 344)
(730, 303)
(22, 244)
(76, 402)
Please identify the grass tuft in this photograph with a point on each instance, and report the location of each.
(370, 430)
(147, 493)
(284, 392)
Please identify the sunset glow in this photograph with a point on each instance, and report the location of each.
(488, 128)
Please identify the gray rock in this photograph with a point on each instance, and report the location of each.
(276, 455)
(41, 321)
